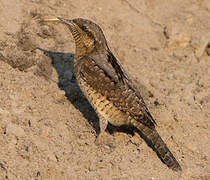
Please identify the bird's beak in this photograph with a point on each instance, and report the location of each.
(66, 21)
(59, 19)
(50, 20)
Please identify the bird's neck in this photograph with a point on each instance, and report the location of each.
(84, 45)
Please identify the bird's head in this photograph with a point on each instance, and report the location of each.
(87, 35)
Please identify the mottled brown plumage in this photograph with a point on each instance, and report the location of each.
(109, 89)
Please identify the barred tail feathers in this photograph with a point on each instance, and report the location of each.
(154, 140)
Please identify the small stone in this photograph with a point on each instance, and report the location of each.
(29, 123)
(26, 148)
(156, 103)
(38, 174)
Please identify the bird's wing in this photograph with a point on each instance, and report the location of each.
(110, 80)
(107, 61)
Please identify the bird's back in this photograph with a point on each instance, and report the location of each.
(121, 93)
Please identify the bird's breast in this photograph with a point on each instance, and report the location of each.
(102, 105)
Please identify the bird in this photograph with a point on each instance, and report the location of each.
(108, 87)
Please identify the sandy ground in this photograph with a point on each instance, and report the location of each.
(48, 128)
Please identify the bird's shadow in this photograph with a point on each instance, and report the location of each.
(63, 64)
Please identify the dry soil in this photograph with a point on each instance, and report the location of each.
(47, 127)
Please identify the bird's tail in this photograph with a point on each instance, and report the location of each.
(154, 140)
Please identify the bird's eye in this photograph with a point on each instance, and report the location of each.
(83, 28)
(87, 31)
